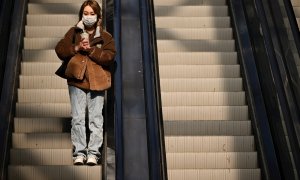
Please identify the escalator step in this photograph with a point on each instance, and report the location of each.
(41, 157)
(42, 140)
(42, 125)
(212, 160)
(42, 82)
(57, 172)
(191, 11)
(39, 68)
(201, 84)
(203, 98)
(199, 71)
(207, 128)
(190, 2)
(46, 31)
(201, 33)
(51, 20)
(195, 45)
(197, 58)
(214, 174)
(46, 8)
(43, 109)
(192, 22)
(47, 55)
(181, 144)
(43, 96)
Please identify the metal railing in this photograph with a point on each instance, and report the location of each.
(6, 10)
(156, 143)
(269, 39)
(258, 113)
(286, 79)
(10, 81)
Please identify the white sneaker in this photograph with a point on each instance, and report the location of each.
(79, 160)
(92, 161)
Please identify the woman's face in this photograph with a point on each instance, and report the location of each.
(88, 11)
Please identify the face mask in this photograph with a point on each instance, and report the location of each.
(89, 20)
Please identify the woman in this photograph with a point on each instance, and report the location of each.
(90, 57)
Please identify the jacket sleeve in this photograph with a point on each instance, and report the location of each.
(106, 53)
(65, 48)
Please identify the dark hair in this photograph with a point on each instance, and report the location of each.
(94, 5)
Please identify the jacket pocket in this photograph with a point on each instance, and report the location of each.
(76, 67)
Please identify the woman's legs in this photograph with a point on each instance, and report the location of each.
(95, 100)
(78, 134)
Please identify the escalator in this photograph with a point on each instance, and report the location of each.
(41, 143)
(208, 132)
(216, 110)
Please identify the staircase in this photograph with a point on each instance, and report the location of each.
(207, 126)
(41, 145)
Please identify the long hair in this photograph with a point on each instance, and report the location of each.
(94, 5)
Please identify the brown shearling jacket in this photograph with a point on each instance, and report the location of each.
(97, 76)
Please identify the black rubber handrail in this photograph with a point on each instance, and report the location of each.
(288, 80)
(118, 113)
(266, 151)
(156, 145)
(269, 55)
(292, 22)
(105, 112)
(10, 81)
(6, 10)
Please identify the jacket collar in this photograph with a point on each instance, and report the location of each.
(98, 29)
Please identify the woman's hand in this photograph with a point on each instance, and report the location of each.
(84, 45)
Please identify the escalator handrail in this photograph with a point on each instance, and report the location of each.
(292, 22)
(6, 9)
(8, 94)
(104, 111)
(269, 164)
(118, 113)
(156, 145)
(290, 82)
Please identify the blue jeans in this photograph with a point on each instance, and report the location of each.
(93, 101)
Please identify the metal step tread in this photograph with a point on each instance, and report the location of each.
(199, 71)
(40, 43)
(203, 98)
(42, 82)
(53, 8)
(46, 31)
(201, 84)
(216, 160)
(195, 45)
(209, 144)
(215, 174)
(190, 2)
(193, 33)
(43, 96)
(205, 112)
(38, 55)
(54, 172)
(41, 156)
(207, 128)
(197, 58)
(42, 125)
(191, 11)
(43, 109)
(192, 22)
(42, 140)
(52, 19)
(39, 68)
(56, 1)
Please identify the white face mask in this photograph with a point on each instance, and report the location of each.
(89, 20)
